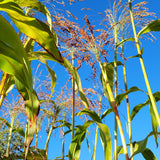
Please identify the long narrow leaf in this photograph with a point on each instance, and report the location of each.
(120, 97)
(90, 113)
(13, 59)
(106, 140)
(74, 149)
(33, 28)
(153, 26)
(148, 154)
(154, 123)
(52, 74)
(37, 5)
(138, 107)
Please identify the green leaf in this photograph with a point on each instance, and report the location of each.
(109, 71)
(20, 131)
(74, 72)
(125, 40)
(90, 113)
(37, 5)
(32, 109)
(74, 149)
(107, 112)
(13, 59)
(33, 28)
(153, 26)
(120, 150)
(9, 84)
(120, 97)
(6, 122)
(154, 123)
(139, 146)
(134, 56)
(105, 140)
(148, 154)
(29, 45)
(51, 72)
(70, 68)
(138, 107)
(109, 74)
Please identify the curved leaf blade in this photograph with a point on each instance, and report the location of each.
(74, 149)
(138, 107)
(37, 5)
(125, 40)
(13, 59)
(121, 97)
(107, 112)
(90, 113)
(33, 28)
(148, 154)
(105, 140)
(153, 26)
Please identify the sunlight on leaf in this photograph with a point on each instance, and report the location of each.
(153, 26)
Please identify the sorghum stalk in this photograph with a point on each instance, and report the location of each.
(73, 97)
(153, 102)
(96, 135)
(127, 102)
(115, 93)
(10, 135)
(3, 81)
(113, 103)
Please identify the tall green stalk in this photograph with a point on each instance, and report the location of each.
(3, 81)
(96, 135)
(49, 134)
(26, 148)
(48, 138)
(127, 102)
(10, 134)
(153, 102)
(73, 98)
(63, 141)
(115, 93)
(114, 106)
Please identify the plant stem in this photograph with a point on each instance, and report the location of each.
(49, 134)
(10, 135)
(47, 141)
(3, 81)
(113, 104)
(96, 135)
(153, 102)
(63, 144)
(36, 139)
(1, 100)
(127, 102)
(115, 81)
(26, 148)
(73, 98)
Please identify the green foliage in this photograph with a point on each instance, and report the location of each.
(15, 62)
(105, 140)
(148, 154)
(74, 149)
(104, 133)
(33, 28)
(153, 26)
(16, 140)
(121, 97)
